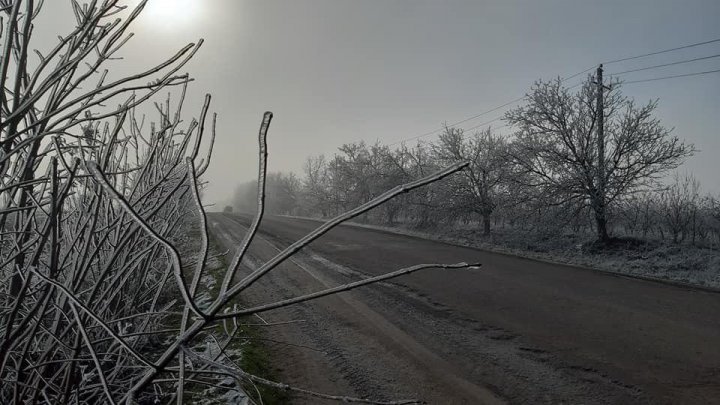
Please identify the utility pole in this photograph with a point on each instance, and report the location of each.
(600, 105)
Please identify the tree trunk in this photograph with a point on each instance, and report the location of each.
(601, 224)
(486, 224)
(597, 202)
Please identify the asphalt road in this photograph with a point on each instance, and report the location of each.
(517, 330)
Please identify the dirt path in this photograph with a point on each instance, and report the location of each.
(427, 337)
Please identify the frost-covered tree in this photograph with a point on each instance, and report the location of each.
(679, 207)
(316, 193)
(556, 146)
(479, 188)
(282, 191)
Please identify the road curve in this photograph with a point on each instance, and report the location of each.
(526, 331)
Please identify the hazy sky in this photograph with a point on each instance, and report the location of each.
(337, 71)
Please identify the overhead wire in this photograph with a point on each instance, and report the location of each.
(459, 122)
(672, 76)
(665, 65)
(663, 51)
(578, 84)
(578, 74)
(479, 115)
(483, 124)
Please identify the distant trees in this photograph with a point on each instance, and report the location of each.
(421, 206)
(556, 146)
(677, 212)
(316, 187)
(479, 188)
(361, 172)
(282, 191)
(679, 205)
(543, 178)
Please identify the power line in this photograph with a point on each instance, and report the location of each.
(479, 115)
(663, 51)
(673, 76)
(489, 111)
(571, 87)
(460, 122)
(649, 54)
(575, 85)
(483, 124)
(667, 64)
(634, 81)
(578, 74)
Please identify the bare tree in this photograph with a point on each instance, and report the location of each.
(712, 217)
(282, 191)
(556, 146)
(479, 188)
(640, 213)
(679, 207)
(316, 190)
(403, 164)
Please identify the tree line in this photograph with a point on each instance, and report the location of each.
(543, 178)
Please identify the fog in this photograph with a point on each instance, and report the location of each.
(464, 202)
(339, 71)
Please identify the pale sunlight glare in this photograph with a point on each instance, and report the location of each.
(172, 14)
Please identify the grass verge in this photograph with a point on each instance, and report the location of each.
(253, 355)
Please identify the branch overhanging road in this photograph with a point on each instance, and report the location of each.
(517, 330)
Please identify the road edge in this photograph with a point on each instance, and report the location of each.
(428, 237)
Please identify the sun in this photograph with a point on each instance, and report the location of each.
(172, 14)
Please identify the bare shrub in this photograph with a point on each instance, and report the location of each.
(99, 305)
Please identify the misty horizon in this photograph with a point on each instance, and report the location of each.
(337, 72)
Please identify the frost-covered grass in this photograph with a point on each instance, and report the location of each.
(227, 390)
(246, 348)
(245, 351)
(644, 258)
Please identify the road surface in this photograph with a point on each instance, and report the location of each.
(515, 331)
